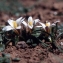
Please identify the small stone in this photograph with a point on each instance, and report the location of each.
(21, 44)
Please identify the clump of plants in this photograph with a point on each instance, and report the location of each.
(33, 32)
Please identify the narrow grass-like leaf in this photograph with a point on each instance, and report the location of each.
(2, 47)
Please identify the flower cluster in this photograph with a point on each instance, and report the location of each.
(31, 23)
(16, 24)
(32, 31)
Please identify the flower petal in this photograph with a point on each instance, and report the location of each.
(38, 26)
(57, 21)
(19, 20)
(30, 19)
(30, 22)
(30, 26)
(42, 24)
(24, 23)
(52, 25)
(7, 28)
(10, 22)
(22, 20)
(18, 27)
(36, 21)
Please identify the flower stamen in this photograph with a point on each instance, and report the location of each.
(30, 23)
(14, 24)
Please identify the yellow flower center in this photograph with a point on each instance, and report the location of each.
(48, 29)
(30, 23)
(48, 24)
(14, 24)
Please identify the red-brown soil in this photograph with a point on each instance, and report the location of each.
(50, 10)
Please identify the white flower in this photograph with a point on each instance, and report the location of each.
(44, 25)
(48, 25)
(17, 24)
(13, 24)
(32, 22)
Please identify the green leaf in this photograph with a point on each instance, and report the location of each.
(1, 59)
(44, 44)
(2, 47)
(6, 55)
(4, 60)
(16, 39)
(36, 34)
